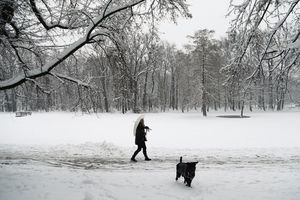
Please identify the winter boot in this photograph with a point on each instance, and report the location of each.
(146, 156)
(133, 156)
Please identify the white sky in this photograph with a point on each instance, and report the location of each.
(209, 14)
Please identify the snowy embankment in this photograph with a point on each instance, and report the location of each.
(86, 157)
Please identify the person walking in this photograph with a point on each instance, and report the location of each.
(140, 139)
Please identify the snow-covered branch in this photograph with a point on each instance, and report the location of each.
(89, 35)
(71, 79)
(46, 25)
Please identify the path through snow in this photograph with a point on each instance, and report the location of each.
(102, 171)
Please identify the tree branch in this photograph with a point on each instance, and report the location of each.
(38, 72)
(43, 22)
(68, 78)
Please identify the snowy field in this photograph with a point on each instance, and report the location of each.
(67, 156)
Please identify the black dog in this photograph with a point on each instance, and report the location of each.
(187, 170)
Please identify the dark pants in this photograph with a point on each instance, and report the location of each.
(140, 147)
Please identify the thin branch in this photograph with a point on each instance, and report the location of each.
(68, 78)
(43, 22)
(39, 86)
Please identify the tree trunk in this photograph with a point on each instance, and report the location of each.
(270, 87)
(250, 100)
(225, 100)
(176, 94)
(242, 108)
(204, 109)
(145, 92)
(13, 100)
(219, 94)
(135, 96)
(105, 95)
(7, 106)
(172, 92)
(165, 90)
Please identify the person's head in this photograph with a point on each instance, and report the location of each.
(142, 122)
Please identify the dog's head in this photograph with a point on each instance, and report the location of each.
(191, 168)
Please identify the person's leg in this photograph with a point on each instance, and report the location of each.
(145, 151)
(136, 152)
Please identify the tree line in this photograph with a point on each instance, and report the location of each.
(119, 63)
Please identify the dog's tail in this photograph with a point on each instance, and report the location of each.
(180, 159)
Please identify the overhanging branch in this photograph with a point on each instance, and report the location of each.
(45, 69)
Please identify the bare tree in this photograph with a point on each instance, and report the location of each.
(36, 27)
(276, 19)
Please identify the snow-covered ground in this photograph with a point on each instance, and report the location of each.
(86, 157)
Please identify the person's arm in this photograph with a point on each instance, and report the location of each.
(147, 128)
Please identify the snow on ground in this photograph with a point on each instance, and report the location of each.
(170, 130)
(86, 157)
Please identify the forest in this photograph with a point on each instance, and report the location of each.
(107, 56)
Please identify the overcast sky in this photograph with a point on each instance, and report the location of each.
(209, 14)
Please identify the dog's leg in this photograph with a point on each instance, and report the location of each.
(189, 181)
(177, 175)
